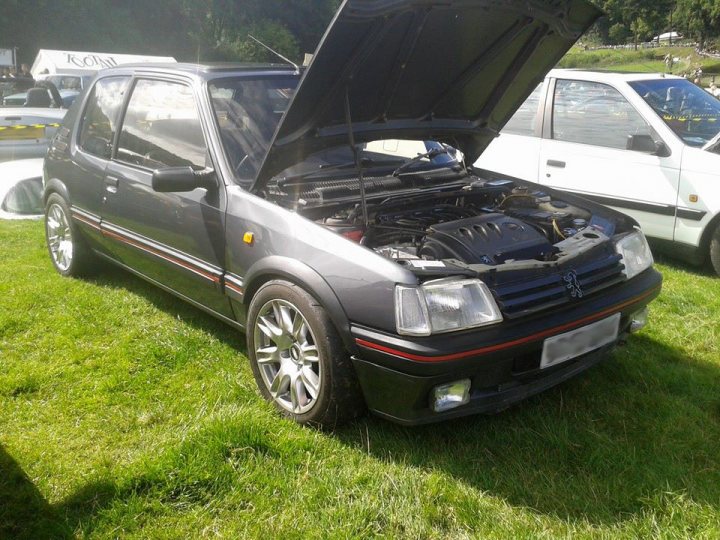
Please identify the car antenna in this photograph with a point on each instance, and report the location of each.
(356, 155)
(293, 64)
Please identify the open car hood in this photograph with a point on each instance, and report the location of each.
(448, 70)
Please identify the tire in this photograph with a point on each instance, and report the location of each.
(68, 251)
(299, 362)
(715, 250)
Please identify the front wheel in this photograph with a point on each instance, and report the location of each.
(298, 359)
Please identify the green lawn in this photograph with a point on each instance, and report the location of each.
(125, 413)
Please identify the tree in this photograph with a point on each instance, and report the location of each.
(193, 30)
(700, 18)
(639, 18)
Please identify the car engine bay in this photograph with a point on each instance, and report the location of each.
(495, 224)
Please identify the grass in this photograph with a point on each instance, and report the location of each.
(126, 413)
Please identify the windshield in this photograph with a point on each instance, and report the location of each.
(248, 111)
(691, 112)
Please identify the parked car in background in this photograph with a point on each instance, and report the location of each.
(67, 81)
(412, 286)
(26, 132)
(20, 99)
(68, 84)
(21, 189)
(19, 92)
(14, 85)
(645, 144)
(26, 129)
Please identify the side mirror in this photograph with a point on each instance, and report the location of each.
(645, 143)
(171, 179)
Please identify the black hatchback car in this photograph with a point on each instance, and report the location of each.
(408, 284)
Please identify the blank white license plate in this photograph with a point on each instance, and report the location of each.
(582, 340)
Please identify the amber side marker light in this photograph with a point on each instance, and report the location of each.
(249, 238)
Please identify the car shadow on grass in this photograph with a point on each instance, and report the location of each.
(704, 270)
(626, 437)
(111, 276)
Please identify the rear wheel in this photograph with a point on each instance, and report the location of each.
(68, 252)
(298, 359)
(715, 250)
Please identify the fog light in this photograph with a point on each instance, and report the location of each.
(450, 395)
(638, 320)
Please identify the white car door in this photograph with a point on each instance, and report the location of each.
(587, 153)
(516, 152)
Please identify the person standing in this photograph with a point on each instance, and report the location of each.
(669, 62)
(25, 72)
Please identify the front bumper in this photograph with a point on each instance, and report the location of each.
(397, 375)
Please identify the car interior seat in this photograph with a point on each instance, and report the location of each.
(37, 97)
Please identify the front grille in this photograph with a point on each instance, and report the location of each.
(519, 298)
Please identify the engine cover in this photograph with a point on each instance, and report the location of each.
(488, 239)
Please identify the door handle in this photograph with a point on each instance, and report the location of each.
(111, 184)
(555, 163)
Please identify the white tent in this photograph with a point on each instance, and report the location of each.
(667, 36)
(85, 63)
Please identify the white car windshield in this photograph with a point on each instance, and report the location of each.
(691, 112)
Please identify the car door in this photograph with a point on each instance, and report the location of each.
(516, 151)
(84, 175)
(585, 150)
(176, 239)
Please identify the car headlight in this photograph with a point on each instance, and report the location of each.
(444, 305)
(635, 252)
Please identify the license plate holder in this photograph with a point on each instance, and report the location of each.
(564, 347)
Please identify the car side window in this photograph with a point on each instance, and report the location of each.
(594, 113)
(100, 116)
(162, 127)
(524, 121)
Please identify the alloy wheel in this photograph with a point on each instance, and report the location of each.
(59, 237)
(287, 356)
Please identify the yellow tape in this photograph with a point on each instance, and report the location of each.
(25, 126)
(693, 117)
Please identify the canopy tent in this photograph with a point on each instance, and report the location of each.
(85, 63)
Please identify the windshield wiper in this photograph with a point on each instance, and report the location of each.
(430, 154)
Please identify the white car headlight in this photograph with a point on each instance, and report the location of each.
(444, 305)
(635, 252)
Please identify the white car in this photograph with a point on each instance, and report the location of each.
(645, 144)
(25, 132)
(21, 189)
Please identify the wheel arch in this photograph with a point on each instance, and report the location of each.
(294, 271)
(54, 185)
(707, 235)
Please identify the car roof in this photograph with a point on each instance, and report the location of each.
(607, 75)
(202, 71)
